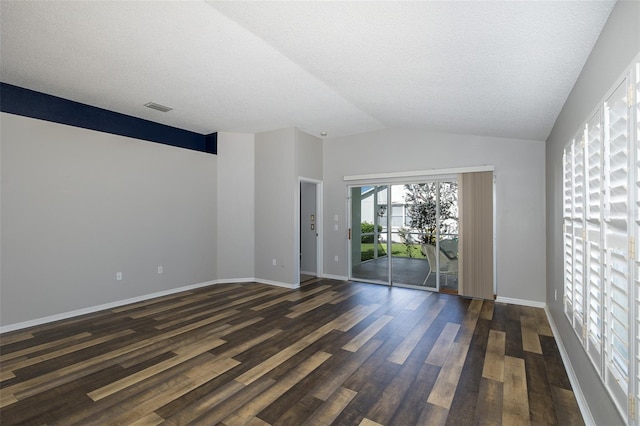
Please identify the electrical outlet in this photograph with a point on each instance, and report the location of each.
(335, 258)
(273, 262)
(160, 269)
(118, 276)
(335, 227)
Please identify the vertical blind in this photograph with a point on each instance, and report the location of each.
(475, 195)
(601, 192)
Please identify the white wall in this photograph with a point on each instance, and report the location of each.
(308, 155)
(236, 205)
(281, 158)
(619, 42)
(276, 194)
(519, 170)
(80, 205)
(309, 166)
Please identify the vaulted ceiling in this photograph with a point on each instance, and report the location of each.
(495, 68)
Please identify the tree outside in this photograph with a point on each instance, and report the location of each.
(421, 199)
(421, 203)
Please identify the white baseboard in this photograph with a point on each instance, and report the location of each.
(255, 280)
(110, 305)
(92, 309)
(309, 273)
(236, 280)
(276, 283)
(334, 277)
(573, 379)
(522, 302)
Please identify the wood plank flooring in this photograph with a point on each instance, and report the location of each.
(329, 353)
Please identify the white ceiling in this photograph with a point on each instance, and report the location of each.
(495, 68)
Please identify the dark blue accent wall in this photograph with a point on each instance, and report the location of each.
(211, 143)
(20, 101)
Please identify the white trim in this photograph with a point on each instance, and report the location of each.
(573, 379)
(334, 277)
(255, 280)
(308, 273)
(92, 309)
(276, 283)
(521, 302)
(110, 305)
(235, 280)
(319, 228)
(420, 173)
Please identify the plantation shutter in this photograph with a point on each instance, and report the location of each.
(616, 231)
(636, 231)
(579, 234)
(595, 254)
(568, 230)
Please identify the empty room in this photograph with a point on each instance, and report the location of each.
(319, 212)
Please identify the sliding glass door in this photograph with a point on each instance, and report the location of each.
(405, 234)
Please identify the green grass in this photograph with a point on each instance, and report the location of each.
(397, 250)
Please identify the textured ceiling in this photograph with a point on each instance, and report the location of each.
(496, 68)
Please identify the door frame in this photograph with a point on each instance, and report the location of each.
(319, 229)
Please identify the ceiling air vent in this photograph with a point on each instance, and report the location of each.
(157, 107)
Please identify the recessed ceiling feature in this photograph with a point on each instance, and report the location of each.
(494, 68)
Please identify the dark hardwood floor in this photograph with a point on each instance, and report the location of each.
(329, 353)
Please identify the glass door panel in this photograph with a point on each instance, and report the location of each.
(421, 209)
(448, 254)
(369, 260)
(410, 266)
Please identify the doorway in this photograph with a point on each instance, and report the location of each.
(310, 233)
